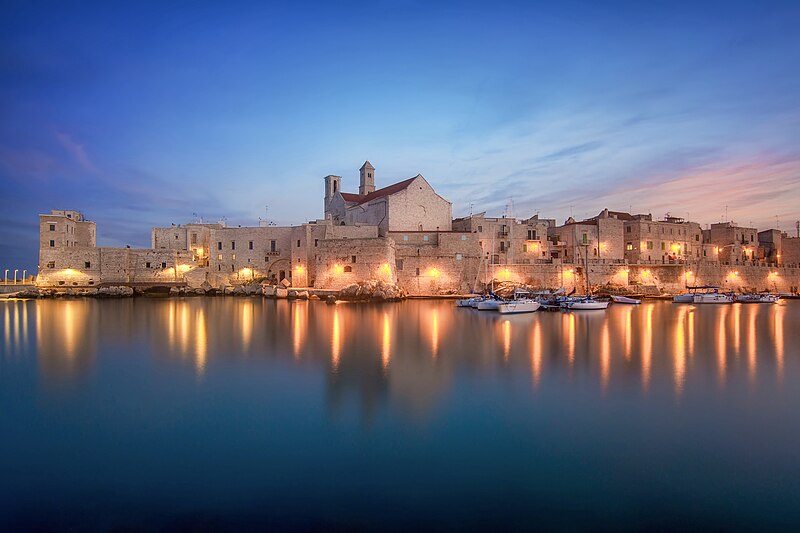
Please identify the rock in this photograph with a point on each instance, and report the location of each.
(292, 295)
(313, 297)
(330, 299)
(206, 286)
(286, 283)
(281, 293)
(115, 292)
(372, 290)
(268, 290)
(302, 295)
(175, 291)
(252, 289)
(238, 291)
(199, 291)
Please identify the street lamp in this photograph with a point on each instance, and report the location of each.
(15, 276)
(24, 273)
(5, 278)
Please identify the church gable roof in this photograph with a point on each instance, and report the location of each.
(380, 193)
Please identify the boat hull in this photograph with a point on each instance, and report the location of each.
(522, 306)
(488, 305)
(625, 300)
(588, 306)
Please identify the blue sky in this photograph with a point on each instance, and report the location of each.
(146, 114)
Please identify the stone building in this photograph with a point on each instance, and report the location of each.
(670, 240)
(411, 204)
(734, 245)
(507, 240)
(598, 239)
(778, 248)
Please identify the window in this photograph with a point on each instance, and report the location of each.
(405, 237)
(271, 246)
(219, 257)
(51, 264)
(176, 237)
(348, 268)
(233, 269)
(417, 271)
(459, 257)
(629, 246)
(316, 243)
(52, 227)
(424, 237)
(398, 263)
(628, 229)
(353, 259)
(751, 238)
(233, 257)
(663, 245)
(194, 238)
(463, 237)
(219, 245)
(502, 246)
(147, 265)
(496, 259)
(649, 245)
(697, 237)
(87, 264)
(585, 238)
(480, 229)
(52, 243)
(164, 264)
(524, 247)
(298, 243)
(532, 236)
(250, 245)
(233, 245)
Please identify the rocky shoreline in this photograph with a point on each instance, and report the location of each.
(365, 291)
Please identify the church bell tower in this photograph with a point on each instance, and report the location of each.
(367, 182)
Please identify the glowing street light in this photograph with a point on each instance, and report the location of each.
(15, 276)
(5, 278)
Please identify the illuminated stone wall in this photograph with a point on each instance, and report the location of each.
(340, 262)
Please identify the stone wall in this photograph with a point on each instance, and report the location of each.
(437, 262)
(340, 262)
(418, 207)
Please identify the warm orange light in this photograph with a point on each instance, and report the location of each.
(735, 273)
(773, 273)
(338, 269)
(300, 268)
(689, 273)
(434, 272)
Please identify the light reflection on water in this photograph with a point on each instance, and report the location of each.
(419, 376)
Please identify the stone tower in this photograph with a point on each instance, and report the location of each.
(333, 185)
(367, 183)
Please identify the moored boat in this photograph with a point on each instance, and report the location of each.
(587, 303)
(755, 298)
(625, 300)
(713, 298)
(518, 306)
(489, 304)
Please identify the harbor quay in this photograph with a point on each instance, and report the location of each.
(404, 236)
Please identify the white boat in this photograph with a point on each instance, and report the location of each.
(713, 298)
(489, 304)
(468, 302)
(625, 300)
(704, 292)
(518, 306)
(764, 298)
(587, 303)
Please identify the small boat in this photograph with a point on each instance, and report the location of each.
(489, 304)
(754, 298)
(702, 294)
(469, 302)
(713, 297)
(518, 306)
(587, 303)
(625, 300)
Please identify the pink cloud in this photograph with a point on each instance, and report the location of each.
(77, 151)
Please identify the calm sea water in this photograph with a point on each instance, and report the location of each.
(215, 413)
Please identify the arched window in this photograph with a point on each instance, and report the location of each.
(348, 269)
(334, 186)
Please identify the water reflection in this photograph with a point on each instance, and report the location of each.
(414, 345)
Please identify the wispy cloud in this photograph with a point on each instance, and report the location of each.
(77, 151)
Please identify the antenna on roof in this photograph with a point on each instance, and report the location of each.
(470, 209)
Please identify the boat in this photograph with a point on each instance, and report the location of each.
(525, 305)
(625, 300)
(713, 297)
(469, 302)
(588, 303)
(489, 304)
(703, 294)
(756, 298)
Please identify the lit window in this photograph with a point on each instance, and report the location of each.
(459, 257)
(405, 237)
(463, 237)
(219, 257)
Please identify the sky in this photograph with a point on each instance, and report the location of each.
(155, 113)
